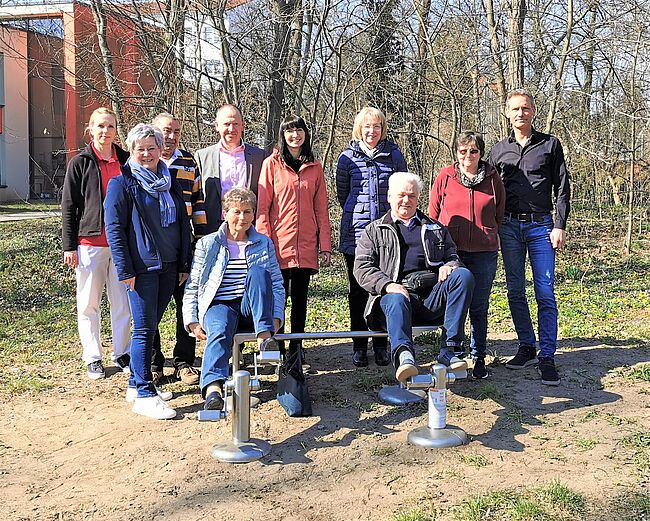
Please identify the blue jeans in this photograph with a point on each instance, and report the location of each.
(448, 302)
(532, 238)
(149, 299)
(223, 319)
(483, 265)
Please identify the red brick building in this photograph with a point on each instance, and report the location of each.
(52, 79)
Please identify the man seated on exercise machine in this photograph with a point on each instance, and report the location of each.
(408, 264)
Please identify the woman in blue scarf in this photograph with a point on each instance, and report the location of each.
(149, 235)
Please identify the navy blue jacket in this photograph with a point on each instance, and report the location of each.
(362, 188)
(129, 233)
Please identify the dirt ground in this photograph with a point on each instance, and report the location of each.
(78, 452)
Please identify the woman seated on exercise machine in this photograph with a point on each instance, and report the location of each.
(235, 282)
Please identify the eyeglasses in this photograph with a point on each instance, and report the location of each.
(471, 151)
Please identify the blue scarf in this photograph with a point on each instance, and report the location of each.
(156, 186)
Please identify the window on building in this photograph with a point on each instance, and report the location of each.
(213, 67)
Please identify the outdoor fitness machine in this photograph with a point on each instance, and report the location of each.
(237, 390)
(437, 434)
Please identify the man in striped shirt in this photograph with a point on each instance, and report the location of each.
(184, 169)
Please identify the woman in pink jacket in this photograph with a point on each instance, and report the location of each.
(292, 210)
(469, 199)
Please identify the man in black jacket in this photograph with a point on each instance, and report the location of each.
(535, 177)
(392, 250)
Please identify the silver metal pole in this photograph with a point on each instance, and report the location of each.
(437, 434)
(241, 403)
(438, 398)
(242, 448)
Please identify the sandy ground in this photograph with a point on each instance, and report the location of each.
(78, 452)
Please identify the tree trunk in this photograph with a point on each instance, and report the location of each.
(559, 72)
(112, 86)
(497, 66)
(230, 82)
(515, 44)
(589, 62)
(281, 37)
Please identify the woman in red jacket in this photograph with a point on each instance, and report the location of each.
(292, 210)
(469, 198)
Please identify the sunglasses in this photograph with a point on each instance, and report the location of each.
(471, 151)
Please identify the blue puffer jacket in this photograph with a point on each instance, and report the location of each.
(362, 187)
(128, 232)
(210, 262)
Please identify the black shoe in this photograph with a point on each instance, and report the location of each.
(213, 402)
(381, 356)
(524, 357)
(157, 375)
(360, 358)
(122, 362)
(479, 370)
(546, 369)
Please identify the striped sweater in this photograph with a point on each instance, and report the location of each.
(185, 170)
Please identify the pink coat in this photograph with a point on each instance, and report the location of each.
(292, 209)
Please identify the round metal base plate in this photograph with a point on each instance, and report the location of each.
(252, 450)
(396, 395)
(437, 438)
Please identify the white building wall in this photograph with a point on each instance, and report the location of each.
(202, 48)
(14, 140)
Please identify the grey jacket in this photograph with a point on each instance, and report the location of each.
(378, 255)
(208, 161)
(210, 263)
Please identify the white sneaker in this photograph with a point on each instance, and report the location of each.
(132, 394)
(407, 367)
(153, 407)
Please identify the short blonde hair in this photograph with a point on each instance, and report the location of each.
(239, 196)
(100, 111)
(369, 114)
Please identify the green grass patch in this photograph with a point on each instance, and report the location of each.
(586, 443)
(617, 421)
(489, 392)
(640, 372)
(476, 460)
(371, 380)
(414, 515)
(637, 440)
(30, 206)
(562, 497)
(385, 450)
(552, 502)
(17, 383)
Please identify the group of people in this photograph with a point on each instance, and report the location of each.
(231, 234)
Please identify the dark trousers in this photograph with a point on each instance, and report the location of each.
(296, 286)
(357, 298)
(185, 347)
